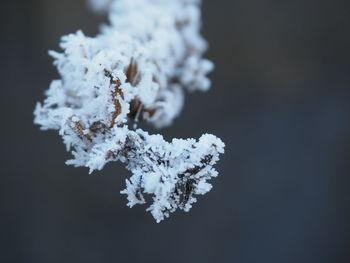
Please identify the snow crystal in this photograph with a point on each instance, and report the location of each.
(135, 70)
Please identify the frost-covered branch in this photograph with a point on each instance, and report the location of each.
(136, 69)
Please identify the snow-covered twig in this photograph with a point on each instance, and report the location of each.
(136, 69)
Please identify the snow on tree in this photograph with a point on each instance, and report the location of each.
(135, 70)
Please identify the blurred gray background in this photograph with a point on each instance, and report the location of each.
(280, 101)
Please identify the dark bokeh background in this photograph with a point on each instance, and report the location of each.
(280, 101)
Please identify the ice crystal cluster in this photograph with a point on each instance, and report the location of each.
(136, 69)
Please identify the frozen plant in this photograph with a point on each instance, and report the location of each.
(135, 70)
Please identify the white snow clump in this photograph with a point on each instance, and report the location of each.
(136, 69)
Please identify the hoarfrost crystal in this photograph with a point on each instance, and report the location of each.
(136, 69)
